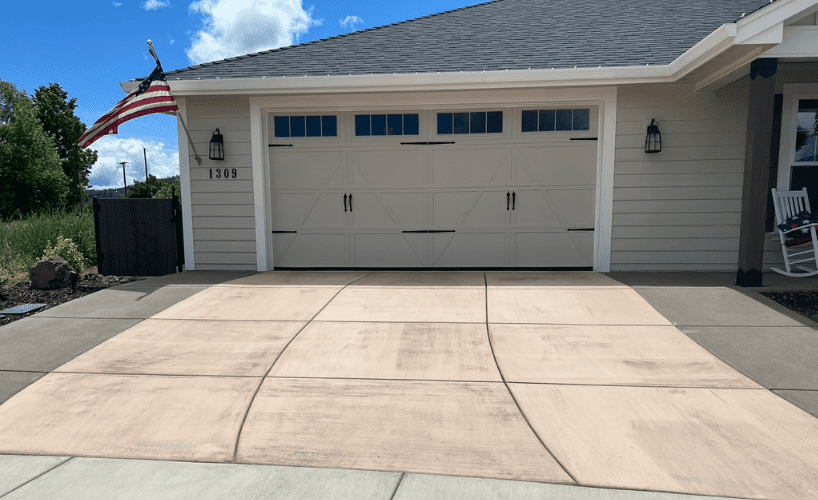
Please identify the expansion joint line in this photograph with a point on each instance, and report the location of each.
(253, 398)
(397, 486)
(38, 476)
(519, 408)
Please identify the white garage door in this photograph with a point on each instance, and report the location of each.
(434, 189)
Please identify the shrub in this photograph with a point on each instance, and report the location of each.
(23, 242)
(67, 249)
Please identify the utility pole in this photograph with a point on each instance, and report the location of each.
(147, 179)
(124, 179)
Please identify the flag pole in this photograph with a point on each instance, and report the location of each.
(195, 155)
(190, 140)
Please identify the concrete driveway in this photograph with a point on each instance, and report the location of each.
(572, 379)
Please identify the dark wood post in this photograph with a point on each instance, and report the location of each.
(756, 171)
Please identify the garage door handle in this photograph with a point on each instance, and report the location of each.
(345, 202)
(508, 199)
(350, 202)
(514, 200)
(580, 229)
(585, 138)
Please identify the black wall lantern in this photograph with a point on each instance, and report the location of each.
(217, 146)
(653, 141)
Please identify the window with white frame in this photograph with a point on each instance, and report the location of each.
(798, 156)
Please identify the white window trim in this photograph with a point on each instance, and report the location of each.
(793, 93)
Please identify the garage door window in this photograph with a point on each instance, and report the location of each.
(556, 120)
(368, 125)
(482, 122)
(306, 126)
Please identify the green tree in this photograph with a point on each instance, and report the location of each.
(160, 188)
(31, 176)
(56, 113)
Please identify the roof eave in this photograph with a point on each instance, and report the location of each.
(756, 28)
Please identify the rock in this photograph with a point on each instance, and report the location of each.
(50, 273)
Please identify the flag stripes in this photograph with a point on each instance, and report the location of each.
(152, 96)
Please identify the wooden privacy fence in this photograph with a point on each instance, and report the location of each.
(138, 236)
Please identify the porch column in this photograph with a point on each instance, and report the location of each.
(756, 171)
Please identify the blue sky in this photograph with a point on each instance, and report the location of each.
(88, 47)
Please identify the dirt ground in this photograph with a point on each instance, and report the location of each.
(22, 293)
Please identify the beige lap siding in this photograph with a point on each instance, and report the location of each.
(679, 209)
(223, 215)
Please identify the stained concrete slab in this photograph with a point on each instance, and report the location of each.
(298, 279)
(253, 303)
(775, 357)
(406, 305)
(115, 303)
(86, 478)
(17, 470)
(13, 382)
(712, 306)
(722, 442)
(806, 400)
(42, 344)
(421, 279)
(608, 355)
(119, 416)
(470, 429)
(190, 347)
(431, 487)
(420, 351)
(550, 280)
(590, 306)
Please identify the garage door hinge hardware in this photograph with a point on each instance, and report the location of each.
(424, 143)
(585, 138)
(426, 231)
(280, 145)
(580, 229)
(284, 232)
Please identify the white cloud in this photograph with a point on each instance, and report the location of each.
(172, 41)
(237, 27)
(107, 171)
(117, 4)
(155, 4)
(350, 22)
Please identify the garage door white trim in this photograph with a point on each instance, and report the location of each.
(605, 98)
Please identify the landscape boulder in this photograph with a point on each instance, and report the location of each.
(49, 274)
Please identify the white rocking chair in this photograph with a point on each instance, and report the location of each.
(788, 204)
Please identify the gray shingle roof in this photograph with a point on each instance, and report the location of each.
(499, 35)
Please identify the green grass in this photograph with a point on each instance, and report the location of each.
(23, 241)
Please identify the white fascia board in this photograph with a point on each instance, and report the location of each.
(771, 36)
(729, 73)
(774, 13)
(483, 80)
(799, 41)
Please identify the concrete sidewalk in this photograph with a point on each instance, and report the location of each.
(770, 344)
(388, 385)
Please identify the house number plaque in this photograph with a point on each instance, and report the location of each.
(222, 173)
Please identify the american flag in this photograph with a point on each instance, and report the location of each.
(152, 96)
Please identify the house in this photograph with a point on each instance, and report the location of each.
(509, 134)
